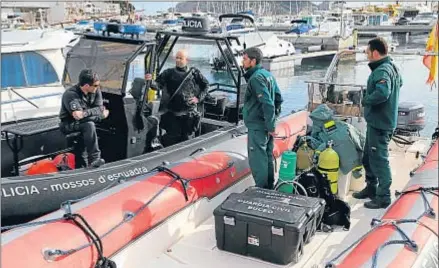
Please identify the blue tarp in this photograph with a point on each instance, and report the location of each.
(127, 28)
(301, 29)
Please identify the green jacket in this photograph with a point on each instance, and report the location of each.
(259, 110)
(382, 95)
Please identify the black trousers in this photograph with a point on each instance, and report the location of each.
(152, 126)
(179, 128)
(88, 144)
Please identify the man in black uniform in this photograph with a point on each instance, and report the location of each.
(181, 98)
(82, 106)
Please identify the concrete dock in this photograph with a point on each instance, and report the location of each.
(396, 28)
(286, 62)
(326, 42)
(390, 28)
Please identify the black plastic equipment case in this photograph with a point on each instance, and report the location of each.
(261, 228)
(314, 207)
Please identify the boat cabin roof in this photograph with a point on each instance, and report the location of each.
(35, 40)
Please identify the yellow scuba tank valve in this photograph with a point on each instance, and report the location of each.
(152, 93)
(329, 164)
(304, 156)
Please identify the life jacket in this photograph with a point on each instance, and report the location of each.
(43, 166)
(65, 161)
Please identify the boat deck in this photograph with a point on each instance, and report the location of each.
(197, 247)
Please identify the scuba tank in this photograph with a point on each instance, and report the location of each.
(152, 93)
(329, 164)
(287, 171)
(304, 156)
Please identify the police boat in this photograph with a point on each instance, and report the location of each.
(33, 180)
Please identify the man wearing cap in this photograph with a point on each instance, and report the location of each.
(82, 106)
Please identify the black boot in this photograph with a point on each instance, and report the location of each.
(368, 192)
(377, 203)
(97, 163)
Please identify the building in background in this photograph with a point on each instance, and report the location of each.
(37, 13)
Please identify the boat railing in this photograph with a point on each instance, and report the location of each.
(220, 87)
(343, 98)
(14, 44)
(334, 63)
(336, 59)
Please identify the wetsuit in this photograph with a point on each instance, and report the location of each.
(182, 119)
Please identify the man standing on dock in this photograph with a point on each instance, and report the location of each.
(261, 107)
(380, 103)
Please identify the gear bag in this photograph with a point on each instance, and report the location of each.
(337, 212)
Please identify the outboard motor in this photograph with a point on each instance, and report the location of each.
(411, 118)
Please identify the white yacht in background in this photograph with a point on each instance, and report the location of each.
(424, 18)
(270, 45)
(32, 67)
(332, 23)
(266, 21)
(82, 26)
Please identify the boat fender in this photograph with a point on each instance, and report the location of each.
(65, 161)
(379, 223)
(44, 166)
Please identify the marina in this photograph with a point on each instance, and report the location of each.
(194, 203)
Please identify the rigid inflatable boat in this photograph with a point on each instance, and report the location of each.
(121, 138)
(124, 214)
(407, 234)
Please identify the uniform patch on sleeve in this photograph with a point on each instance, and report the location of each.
(74, 106)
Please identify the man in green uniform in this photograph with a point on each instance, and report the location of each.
(380, 111)
(261, 107)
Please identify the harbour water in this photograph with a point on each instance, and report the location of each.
(294, 89)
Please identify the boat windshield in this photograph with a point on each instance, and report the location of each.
(107, 59)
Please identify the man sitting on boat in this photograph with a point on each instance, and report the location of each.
(184, 90)
(82, 105)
